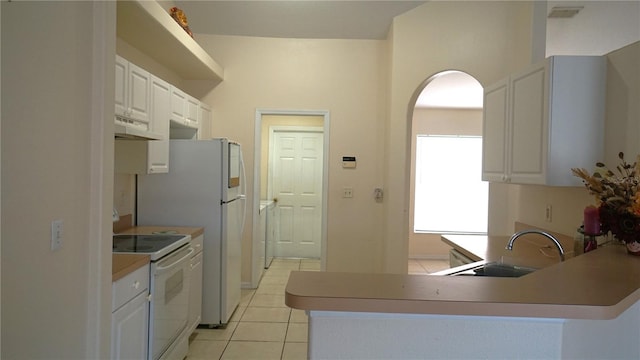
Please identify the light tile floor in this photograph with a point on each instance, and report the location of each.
(263, 327)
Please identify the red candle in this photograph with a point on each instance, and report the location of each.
(591, 220)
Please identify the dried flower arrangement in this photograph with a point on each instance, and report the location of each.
(179, 16)
(617, 196)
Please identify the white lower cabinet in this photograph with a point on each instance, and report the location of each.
(130, 316)
(195, 285)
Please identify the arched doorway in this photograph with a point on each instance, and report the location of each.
(445, 147)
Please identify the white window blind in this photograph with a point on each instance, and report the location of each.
(450, 196)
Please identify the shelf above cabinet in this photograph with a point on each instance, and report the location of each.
(149, 28)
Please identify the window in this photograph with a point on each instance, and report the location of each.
(450, 196)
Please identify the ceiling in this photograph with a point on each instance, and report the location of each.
(324, 19)
(311, 19)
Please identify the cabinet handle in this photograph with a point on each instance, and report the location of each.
(149, 297)
(136, 284)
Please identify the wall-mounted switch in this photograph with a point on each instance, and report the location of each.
(56, 235)
(378, 194)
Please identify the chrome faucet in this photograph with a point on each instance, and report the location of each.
(540, 232)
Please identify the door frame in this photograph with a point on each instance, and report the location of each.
(294, 129)
(256, 175)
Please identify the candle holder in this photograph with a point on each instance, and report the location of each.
(585, 242)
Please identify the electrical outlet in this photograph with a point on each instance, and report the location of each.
(547, 213)
(347, 192)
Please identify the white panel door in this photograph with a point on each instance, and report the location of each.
(296, 169)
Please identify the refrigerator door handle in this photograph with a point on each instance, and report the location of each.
(243, 194)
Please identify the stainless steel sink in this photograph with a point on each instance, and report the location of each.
(496, 270)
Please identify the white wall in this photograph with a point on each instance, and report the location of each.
(355, 81)
(344, 77)
(55, 165)
(487, 40)
(599, 28)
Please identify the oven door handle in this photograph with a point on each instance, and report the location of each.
(161, 269)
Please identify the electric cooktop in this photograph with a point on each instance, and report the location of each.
(154, 245)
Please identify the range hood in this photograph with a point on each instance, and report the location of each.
(128, 132)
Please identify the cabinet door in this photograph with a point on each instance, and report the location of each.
(122, 71)
(193, 111)
(130, 328)
(178, 105)
(494, 132)
(204, 126)
(158, 150)
(160, 107)
(139, 87)
(529, 129)
(157, 156)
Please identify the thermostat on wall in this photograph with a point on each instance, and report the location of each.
(349, 162)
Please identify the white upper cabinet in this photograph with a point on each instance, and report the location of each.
(494, 132)
(184, 109)
(160, 106)
(152, 156)
(204, 124)
(545, 120)
(132, 101)
(122, 78)
(192, 117)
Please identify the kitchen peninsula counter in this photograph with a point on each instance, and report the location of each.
(598, 285)
(583, 308)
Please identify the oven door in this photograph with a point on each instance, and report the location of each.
(169, 300)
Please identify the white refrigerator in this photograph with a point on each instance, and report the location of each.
(204, 188)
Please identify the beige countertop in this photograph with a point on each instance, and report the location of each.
(123, 264)
(597, 285)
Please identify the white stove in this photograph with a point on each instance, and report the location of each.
(169, 287)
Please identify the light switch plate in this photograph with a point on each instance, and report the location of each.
(56, 234)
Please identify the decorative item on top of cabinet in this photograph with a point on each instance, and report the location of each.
(148, 27)
(544, 120)
(179, 16)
